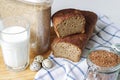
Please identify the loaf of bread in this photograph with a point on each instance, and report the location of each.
(71, 47)
(68, 21)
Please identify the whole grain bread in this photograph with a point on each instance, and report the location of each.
(68, 21)
(71, 47)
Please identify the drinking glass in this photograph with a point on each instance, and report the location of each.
(14, 39)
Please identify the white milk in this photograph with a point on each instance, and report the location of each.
(15, 47)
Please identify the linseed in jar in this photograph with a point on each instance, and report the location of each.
(104, 58)
(104, 64)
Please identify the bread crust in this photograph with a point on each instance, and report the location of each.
(61, 15)
(64, 14)
(80, 39)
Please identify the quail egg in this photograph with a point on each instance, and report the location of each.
(39, 58)
(47, 64)
(35, 66)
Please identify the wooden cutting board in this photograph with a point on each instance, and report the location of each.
(23, 75)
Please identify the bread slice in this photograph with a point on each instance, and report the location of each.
(68, 21)
(71, 47)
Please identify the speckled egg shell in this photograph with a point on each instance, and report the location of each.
(47, 64)
(35, 66)
(39, 58)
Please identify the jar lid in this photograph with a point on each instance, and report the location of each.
(37, 1)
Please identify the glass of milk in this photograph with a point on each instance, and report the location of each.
(14, 39)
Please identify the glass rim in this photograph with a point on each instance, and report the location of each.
(50, 2)
(99, 68)
(16, 17)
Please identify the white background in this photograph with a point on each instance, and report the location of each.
(111, 8)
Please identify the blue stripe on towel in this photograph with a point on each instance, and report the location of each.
(75, 66)
(58, 63)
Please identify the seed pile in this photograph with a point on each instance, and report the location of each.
(104, 58)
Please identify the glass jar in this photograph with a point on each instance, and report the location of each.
(38, 13)
(96, 70)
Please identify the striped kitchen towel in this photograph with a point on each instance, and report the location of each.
(106, 33)
(63, 69)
